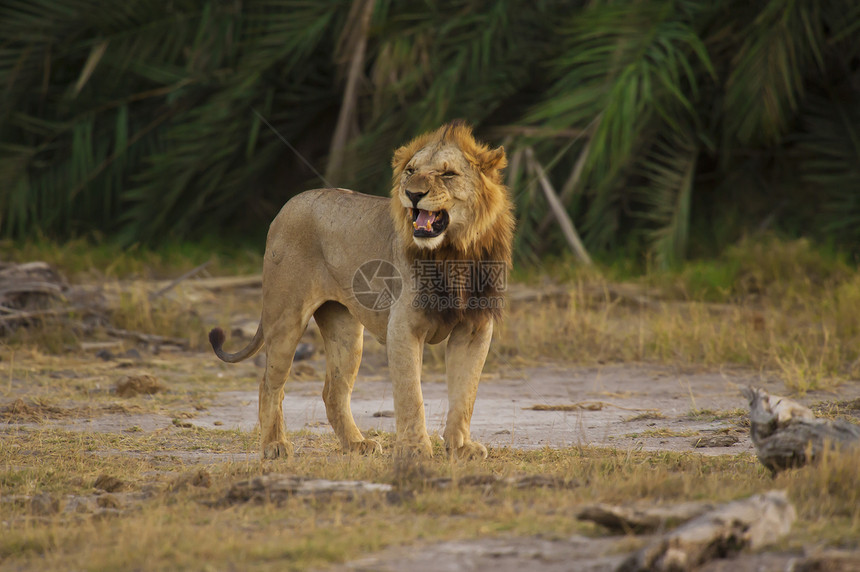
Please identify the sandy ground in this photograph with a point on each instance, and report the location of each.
(503, 416)
(626, 406)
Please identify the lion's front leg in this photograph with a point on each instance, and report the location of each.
(464, 359)
(404, 363)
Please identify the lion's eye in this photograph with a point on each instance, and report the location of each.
(449, 174)
(409, 171)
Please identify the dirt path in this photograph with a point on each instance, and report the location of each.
(634, 406)
(626, 406)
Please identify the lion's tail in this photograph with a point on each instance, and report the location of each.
(217, 337)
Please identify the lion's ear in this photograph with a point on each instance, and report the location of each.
(494, 160)
(401, 157)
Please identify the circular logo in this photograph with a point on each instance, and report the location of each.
(377, 285)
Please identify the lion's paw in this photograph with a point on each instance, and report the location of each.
(468, 450)
(277, 450)
(421, 450)
(365, 447)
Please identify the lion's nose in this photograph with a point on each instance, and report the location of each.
(414, 197)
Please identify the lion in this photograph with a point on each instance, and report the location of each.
(439, 249)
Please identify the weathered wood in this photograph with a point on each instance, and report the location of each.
(786, 434)
(487, 480)
(29, 286)
(21, 316)
(750, 523)
(642, 519)
(177, 281)
(569, 185)
(715, 441)
(228, 282)
(582, 406)
(558, 210)
(277, 488)
(146, 338)
(352, 47)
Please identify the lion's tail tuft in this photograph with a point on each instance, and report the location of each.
(217, 337)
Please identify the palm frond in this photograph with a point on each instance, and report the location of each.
(631, 62)
(766, 83)
(830, 162)
(669, 168)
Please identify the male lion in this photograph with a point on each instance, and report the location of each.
(446, 230)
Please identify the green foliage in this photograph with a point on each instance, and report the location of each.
(672, 126)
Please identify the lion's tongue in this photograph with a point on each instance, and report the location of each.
(425, 218)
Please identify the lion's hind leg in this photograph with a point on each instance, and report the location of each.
(342, 336)
(282, 337)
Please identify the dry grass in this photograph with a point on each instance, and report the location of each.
(783, 310)
(167, 522)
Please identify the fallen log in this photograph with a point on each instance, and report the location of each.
(750, 523)
(29, 286)
(786, 434)
(642, 519)
(277, 488)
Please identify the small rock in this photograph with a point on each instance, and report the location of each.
(201, 478)
(715, 441)
(303, 351)
(108, 483)
(138, 384)
(131, 354)
(104, 355)
(384, 413)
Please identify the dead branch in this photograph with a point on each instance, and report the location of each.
(582, 406)
(557, 208)
(13, 316)
(642, 519)
(146, 338)
(356, 45)
(515, 166)
(532, 131)
(229, 282)
(172, 285)
(569, 185)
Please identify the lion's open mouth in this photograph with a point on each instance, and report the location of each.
(427, 224)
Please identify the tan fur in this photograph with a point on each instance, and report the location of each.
(316, 245)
